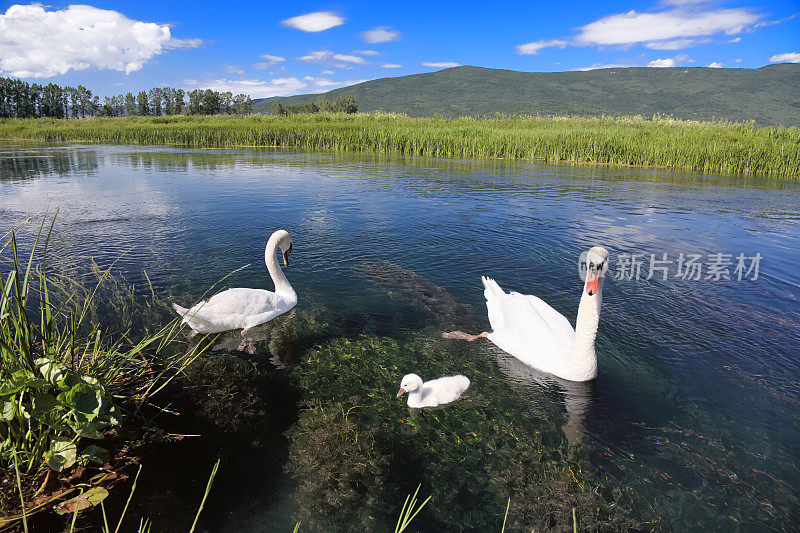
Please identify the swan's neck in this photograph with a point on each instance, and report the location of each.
(282, 285)
(583, 362)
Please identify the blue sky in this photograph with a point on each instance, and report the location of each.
(282, 48)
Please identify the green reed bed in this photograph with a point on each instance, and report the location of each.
(68, 382)
(720, 147)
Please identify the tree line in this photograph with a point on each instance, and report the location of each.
(342, 104)
(19, 99)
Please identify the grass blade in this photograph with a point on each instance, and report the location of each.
(208, 490)
(133, 488)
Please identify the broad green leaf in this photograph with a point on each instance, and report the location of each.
(18, 380)
(7, 447)
(56, 373)
(62, 454)
(84, 399)
(42, 404)
(90, 498)
(8, 411)
(90, 430)
(93, 454)
(91, 381)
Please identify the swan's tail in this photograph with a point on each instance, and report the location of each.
(491, 289)
(494, 294)
(192, 317)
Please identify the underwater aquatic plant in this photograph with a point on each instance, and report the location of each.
(342, 474)
(473, 455)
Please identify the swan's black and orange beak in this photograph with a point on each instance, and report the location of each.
(593, 279)
(401, 392)
(286, 256)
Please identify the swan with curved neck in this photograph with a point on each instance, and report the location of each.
(529, 329)
(246, 308)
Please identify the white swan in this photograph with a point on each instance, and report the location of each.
(246, 308)
(538, 335)
(434, 392)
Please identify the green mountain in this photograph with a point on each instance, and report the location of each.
(768, 95)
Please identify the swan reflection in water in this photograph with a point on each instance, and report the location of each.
(577, 394)
(281, 347)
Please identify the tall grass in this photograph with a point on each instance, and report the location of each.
(63, 378)
(719, 147)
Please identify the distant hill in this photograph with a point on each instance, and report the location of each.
(768, 95)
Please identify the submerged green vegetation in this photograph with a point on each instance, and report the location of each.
(714, 147)
(356, 445)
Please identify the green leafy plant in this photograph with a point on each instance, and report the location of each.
(61, 375)
(58, 406)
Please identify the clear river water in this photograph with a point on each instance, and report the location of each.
(693, 421)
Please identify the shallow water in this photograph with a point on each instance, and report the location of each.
(693, 415)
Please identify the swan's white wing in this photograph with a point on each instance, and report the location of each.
(440, 391)
(527, 328)
(557, 322)
(242, 302)
(241, 308)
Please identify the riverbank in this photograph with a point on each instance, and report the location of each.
(713, 147)
(76, 394)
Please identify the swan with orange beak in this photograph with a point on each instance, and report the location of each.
(527, 327)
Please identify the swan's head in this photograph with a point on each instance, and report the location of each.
(284, 242)
(410, 383)
(596, 268)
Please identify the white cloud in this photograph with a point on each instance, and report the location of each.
(774, 22)
(314, 22)
(233, 69)
(444, 64)
(320, 82)
(36, 43)
(327, 84)
(255, 88)
(533, 48)
(788, 57)
(367, 52)
(391, 65)
(738, 60)
(670, 61)
(382, 34)
(597, 66)
(327, 56)
(317, 56)
(680, 23)
(671, 44)
(715, 64)
(182, 44)
(269, 60)
(327, 72)
(735, 40)
(349, 58)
